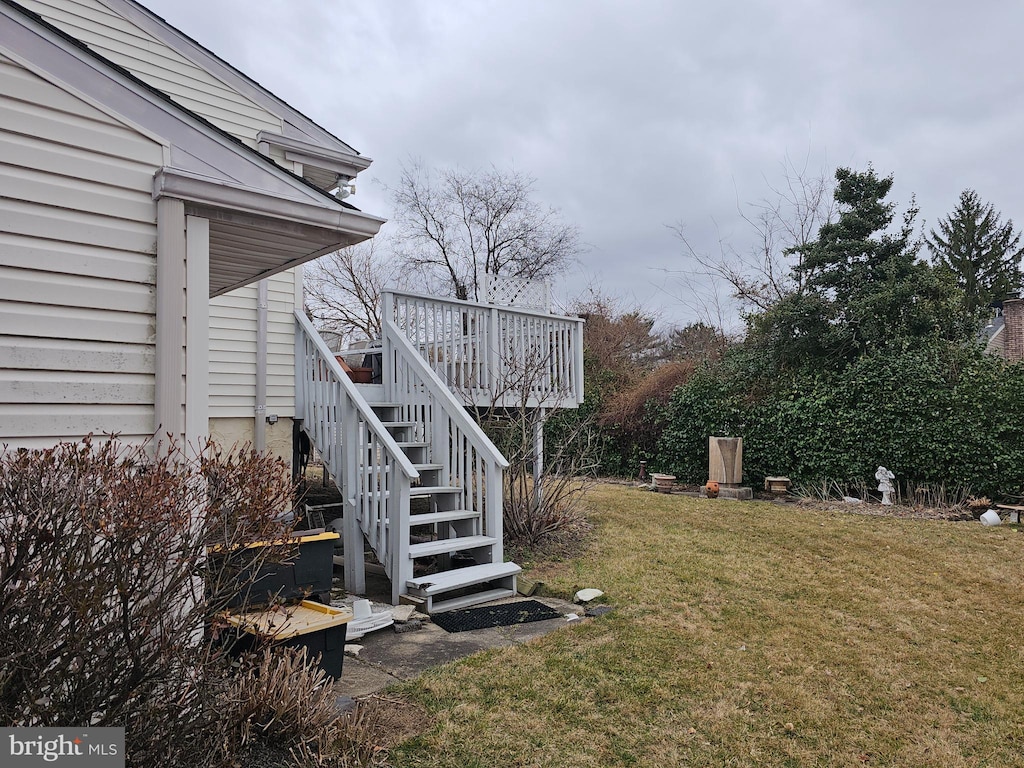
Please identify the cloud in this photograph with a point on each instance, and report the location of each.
(636, 115)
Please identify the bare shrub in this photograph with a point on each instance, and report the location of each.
(109, 602)
(910, 495)
(629, 406)
(531, 512)
(281, 700)
(359, 739)
(923, 496)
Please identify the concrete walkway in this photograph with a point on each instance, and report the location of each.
(403, 651)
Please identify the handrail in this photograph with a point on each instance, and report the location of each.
(366, 462)
(450, 404)
(491, 355)
(481, 305)
(363, 407)
(469, 461)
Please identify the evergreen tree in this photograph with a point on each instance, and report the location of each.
(981, 252)
(865, 288)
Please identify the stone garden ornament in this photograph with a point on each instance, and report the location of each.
(885, 478)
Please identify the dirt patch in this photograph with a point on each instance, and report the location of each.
(392, 720)
(564, 544)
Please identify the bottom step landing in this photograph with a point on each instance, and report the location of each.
(450, 590)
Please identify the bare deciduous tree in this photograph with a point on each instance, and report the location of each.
(545, 481)
(458, 226)
(620, 342)
(784, 223)
(344, 289)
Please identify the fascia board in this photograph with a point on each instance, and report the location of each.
(308, 153)
(207, 60)
(194, 188)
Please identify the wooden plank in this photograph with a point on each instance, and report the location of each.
(59, 159)
(230, 374)
(24, 86)
(63, 421)
(226, 331)
(236, 356)
(74, 130)
(153, 61)
(235, 313)
(79, 194)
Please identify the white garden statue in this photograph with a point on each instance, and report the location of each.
(885, 478)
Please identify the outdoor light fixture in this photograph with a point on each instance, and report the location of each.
(345, 187)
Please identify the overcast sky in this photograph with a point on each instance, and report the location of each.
(634, 116)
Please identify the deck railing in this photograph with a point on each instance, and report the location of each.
(470, 461)
(494, 356)
(360, 454)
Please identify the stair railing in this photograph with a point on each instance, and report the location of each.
(372, 471)
(470, 460)
(494, 356)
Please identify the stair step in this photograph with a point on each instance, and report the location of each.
(405, 444)
(427, 467)
(446, 581)
(399, 424)
(443, 517)
(466, 601)
(384, 405)
(447, 546)
(430, 490)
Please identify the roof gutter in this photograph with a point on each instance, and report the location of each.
(191, 187)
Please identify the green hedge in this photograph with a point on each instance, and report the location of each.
(937, 415)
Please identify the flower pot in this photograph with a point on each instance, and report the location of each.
(663, 483)
(361, 375)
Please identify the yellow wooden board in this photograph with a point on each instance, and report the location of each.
(283, 622)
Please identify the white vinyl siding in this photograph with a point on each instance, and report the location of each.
(153, 62)
(233, 350)
(232, 380)
(77, 267)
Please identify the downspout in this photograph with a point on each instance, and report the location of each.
(259, 433)
(260, 428)
(298, 447)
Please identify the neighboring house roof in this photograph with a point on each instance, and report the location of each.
(263, 219)
(994, 337)
(325, 154)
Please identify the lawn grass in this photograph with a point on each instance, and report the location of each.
(753, 634)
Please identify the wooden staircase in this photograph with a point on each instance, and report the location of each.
(421, 483)
(442, 527)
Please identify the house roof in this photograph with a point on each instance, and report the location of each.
(263, 219)
(323, 150)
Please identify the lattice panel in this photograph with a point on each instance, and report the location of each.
(517, 292)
